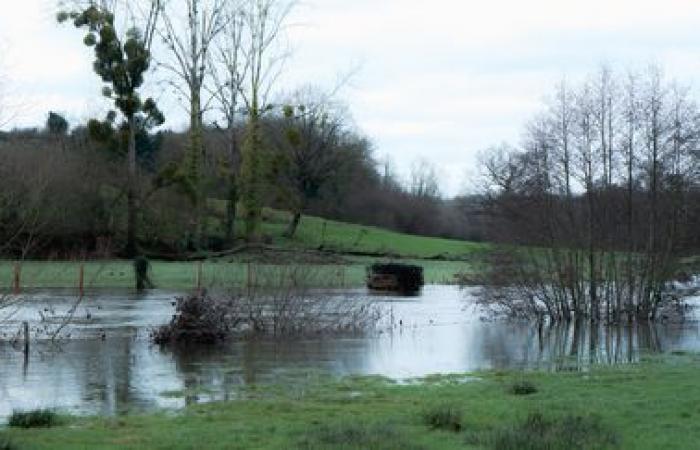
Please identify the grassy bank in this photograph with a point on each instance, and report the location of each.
(653, 405)
(337, 265)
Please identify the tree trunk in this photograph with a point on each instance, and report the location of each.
(232, 187)
(131, 247)
(250, 179)
(231, 211)
(293, 224)
(195, 166)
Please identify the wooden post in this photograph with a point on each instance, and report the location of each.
(81, 280)
(199, 278)
(16, 280)
(26, 340)
(248, 278)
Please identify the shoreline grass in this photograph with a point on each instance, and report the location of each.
(651, 405)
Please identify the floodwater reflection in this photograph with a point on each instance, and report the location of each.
(109, 366)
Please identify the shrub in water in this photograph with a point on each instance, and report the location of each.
(523, 388)
(39, 418)
(444, 417)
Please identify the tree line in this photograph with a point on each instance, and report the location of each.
(604, 192)
(123, 182)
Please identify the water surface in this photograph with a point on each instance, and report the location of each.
(106, 365)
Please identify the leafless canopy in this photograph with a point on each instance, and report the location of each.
(604, 191)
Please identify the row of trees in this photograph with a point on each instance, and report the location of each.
(606, 185)
(216, 55)
(63, 190)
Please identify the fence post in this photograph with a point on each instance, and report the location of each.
(25, 325)
(248, 278)
(81, 280)
(199, 278)
(16, 281)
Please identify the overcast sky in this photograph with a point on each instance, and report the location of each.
(438, 80)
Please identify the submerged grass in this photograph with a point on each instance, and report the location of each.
(648, 406)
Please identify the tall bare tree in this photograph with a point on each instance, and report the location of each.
(311, 150)
(189, 30)
(265, 53)
(608, 239)
(229, 71)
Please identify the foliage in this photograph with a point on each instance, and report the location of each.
(251, 179)
(523, 387)
(39, 418)
(56, 124)
(7, 444)
(121, 66)
(444, 417)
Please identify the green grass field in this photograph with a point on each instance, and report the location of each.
(314, 232)
(183, 275)
(448, 258)
(653, 405)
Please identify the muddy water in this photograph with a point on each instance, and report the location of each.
(105, 364)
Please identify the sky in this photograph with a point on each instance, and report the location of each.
(436, 81)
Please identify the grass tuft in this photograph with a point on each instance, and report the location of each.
(523, 387)
(537, 432)
(357, 437)
(444, 417)
(39, 418)
(6, 444)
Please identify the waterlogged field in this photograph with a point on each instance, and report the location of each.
(652, 405)
(104, 362)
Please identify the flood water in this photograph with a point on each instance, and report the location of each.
(105, 363)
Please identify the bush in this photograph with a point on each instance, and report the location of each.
(523, 387)
(39, 418)
(279, 302)
(199, 319)
(540, 433)
(444, 417)
(357, 437)
(6, 444)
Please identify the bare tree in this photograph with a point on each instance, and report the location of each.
(311, 150)
(189, 30)
(423, 181)
(265, 53)
(601, 194)
(229, 71)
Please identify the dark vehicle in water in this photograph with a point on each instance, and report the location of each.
(401, 278)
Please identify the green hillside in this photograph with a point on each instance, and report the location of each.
(330, 249)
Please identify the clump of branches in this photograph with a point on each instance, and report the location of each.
(601, 200)
(277, 302)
